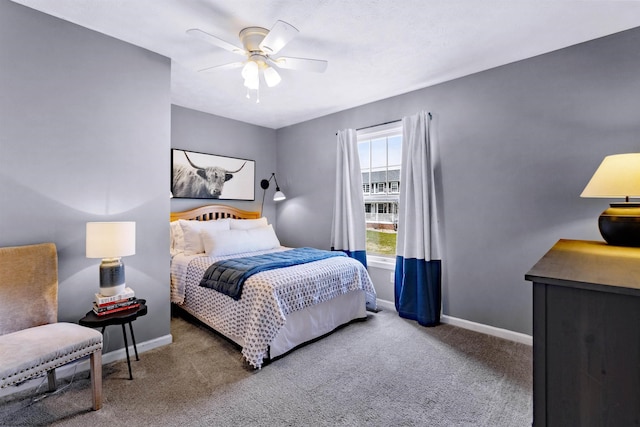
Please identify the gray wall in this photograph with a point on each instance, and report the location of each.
(201, 132)
(518, 144)
(84, 136)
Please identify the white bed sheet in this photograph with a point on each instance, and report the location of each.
(268, 298)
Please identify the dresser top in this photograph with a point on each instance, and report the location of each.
(589, 264)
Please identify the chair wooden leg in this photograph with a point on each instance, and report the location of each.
(51, 379)
(96, 378)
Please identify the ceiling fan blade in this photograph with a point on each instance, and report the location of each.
(281, 34)
(229, 66)
(304, 64)
(209, 38)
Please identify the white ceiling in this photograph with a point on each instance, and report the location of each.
(376, 48)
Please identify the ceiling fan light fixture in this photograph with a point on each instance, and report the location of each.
(271, 77)
(258, 46)
(250, 70)
(252, 83)
(251, 75)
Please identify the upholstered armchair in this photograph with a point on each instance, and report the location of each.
(32, 341)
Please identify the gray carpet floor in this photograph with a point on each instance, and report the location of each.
(384, 371)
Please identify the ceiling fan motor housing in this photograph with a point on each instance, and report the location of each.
(251, 37)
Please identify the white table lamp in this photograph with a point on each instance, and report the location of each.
(111, 241)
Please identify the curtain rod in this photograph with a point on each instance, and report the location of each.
(380, 124)
(385, 123)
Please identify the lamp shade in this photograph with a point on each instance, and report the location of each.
(111, 239)
(251, 75)
(278, 196)
(250, 70)
(618, 176)
(271, 76)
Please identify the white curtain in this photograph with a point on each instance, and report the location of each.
(348, 232)
(418, 264)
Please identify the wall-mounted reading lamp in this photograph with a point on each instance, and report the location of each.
(279, 195)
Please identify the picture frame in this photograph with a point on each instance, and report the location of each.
(196, 175)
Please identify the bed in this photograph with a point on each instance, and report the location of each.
(279, 309)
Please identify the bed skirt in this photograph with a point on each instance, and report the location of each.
(308, 324)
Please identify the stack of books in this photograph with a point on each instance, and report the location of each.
(103, 305)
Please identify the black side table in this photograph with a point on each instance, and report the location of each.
(92, 320)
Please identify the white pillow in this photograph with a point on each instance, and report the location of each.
(229, 242)
(247, 224)
(191, 229)
(177, 238)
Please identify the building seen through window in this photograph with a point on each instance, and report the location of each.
(380, 150)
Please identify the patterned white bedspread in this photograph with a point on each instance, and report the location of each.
(267, 297)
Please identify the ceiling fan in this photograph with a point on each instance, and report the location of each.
(259, 47)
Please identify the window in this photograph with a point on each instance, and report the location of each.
(380, 150)
(379, 187)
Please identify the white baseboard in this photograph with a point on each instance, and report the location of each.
(121, 354)
(473, 326)
(489, 330)
(387, 305)
(82, 365)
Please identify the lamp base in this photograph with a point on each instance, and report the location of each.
(112, 277)
(112, 290)
(620, 224)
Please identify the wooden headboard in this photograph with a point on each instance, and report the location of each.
(213, 212)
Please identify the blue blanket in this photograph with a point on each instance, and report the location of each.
(228, 276)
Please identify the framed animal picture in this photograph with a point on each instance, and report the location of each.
(208, 176)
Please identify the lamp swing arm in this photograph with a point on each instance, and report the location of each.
(264, 184)
(273, 175)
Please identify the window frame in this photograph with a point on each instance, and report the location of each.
(382, 131)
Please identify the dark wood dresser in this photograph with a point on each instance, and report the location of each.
(586, 335)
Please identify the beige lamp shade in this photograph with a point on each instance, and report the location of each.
(111, 239)
(617, 176)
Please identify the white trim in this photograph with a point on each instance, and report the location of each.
(386, 305)
(120, 354)
(472, 326)
(380, 131)
(82, 365)
(381, 262)
(489, 330)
